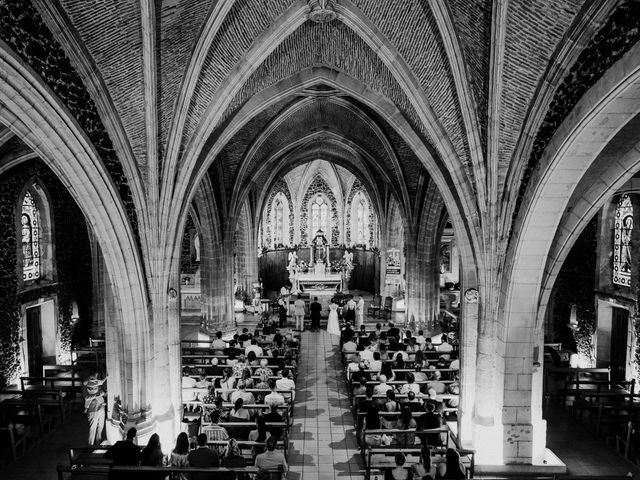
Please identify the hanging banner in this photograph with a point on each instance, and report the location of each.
(393, 261)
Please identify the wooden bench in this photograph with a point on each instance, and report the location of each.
(70, 385)
(49, 400)
(11, 443)
(381, 458)
(89, 455)
(249, 445)
(27, 415)
(78, 472)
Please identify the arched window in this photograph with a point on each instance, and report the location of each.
(622, 242)
(362, 223)
(320, 216)
(278, 222)
(30, 235)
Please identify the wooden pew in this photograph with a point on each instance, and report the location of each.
(55, 400)
(27, 415)
(249, 445)
(109, 471)
(91, 455)
(69, 385)
(381, 458)
(11, 443)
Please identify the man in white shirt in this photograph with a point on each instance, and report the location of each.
(445, 347)
(420, 340)
(218, 345)
(274, 398)
(254, 347)
(271, 459)
(349, 348)
(285, 383)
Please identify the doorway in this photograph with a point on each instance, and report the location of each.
(619, 331)
(34, 341)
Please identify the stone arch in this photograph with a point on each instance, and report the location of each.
(318, 186)
(574, 178)
(56, 137)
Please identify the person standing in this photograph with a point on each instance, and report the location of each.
(282, 312)
(316, 310)
(360, 312)
(350, 315)
(94, 405)
(333, 325)
(298, 312)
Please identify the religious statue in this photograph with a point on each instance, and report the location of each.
(348, 260)
(319, 247)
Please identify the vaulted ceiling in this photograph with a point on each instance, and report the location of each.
(403, 91)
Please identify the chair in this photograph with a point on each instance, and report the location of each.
(374, 307)
(385, 311)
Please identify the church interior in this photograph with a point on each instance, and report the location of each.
(356, 217)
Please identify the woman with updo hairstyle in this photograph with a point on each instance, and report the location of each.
(232, 459)
(452, 468)
(399, 472)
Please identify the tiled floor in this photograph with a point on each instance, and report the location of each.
(323, 442)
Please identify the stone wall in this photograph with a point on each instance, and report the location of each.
(72, 264)
(22, 28)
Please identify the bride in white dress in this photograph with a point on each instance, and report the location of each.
(333, 326)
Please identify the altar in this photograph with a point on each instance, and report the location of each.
(319, 281)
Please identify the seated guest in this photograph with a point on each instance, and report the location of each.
(349, 349)
(361, 373)
(347, 333)
(247, 377)
(255, 348)
(252, 360)
(371, 421)
(419, 375)
(203, 382)
(365, 405)
(428, 345)
(239, 413)
(241, 393)
(271, 459)
(432, 397)
(277, 361)
(420, 340)
(411, 385)
(289, 361)
(125, 452)
(376, 363)
(274, 417)
(424, 470)
(152, 456)
(274, 398)
(286, 383)
(378, 331)
(260, 434)
(436, 384)
(353, 365)
(445, 347)
(179, 455)
(381, 389)
(429, 420)
(218, 345)
(214, 369)
(232, 459)
(263, 371)
(387, 371)
(393, 331)
(455, 364)
(398, 472)
(203, 457)
(451, 467)
(361, 388)
(413, 403)
(405, 422)
(215, 432)
(240, 365)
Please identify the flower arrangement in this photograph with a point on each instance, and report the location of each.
(339, 265)
(302, 266)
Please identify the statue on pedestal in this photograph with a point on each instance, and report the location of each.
(320, 248)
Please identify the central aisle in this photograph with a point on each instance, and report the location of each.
(323, 443)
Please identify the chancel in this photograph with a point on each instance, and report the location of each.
(319, 238)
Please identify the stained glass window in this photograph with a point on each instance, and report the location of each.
(319, 216)
(362, 223)
(30, 234)
(622, 242)
(278, 222)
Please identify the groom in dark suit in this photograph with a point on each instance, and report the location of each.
(315, 308)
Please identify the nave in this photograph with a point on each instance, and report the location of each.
(323, 441)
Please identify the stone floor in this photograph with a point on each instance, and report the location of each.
(323, 442)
